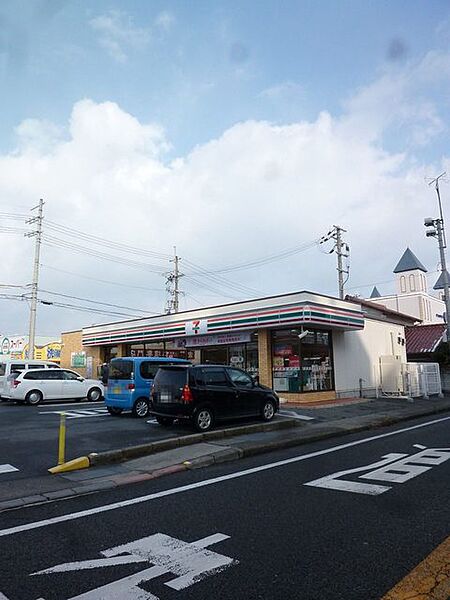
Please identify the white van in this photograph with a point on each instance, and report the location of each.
(8, 366)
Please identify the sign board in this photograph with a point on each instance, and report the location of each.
(218, 339)
(89, 367)
(78, 359)
(196, 327)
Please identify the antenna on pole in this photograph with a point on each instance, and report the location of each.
(173, 285)
(37, 234)
(435, 181)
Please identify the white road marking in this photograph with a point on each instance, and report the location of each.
(78, 413)
(206, 482)
(391, 470)
(294, 415)
(332, 482)
(190, 562)
(7, 469)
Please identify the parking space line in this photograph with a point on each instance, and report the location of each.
(207, 482)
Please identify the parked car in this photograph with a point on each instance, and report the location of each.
(36, 385)
(205, 394)
(8, 366)
(129, 383)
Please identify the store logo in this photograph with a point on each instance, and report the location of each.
(196, 327)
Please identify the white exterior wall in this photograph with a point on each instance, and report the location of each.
(357, 354)
(411, 281)
(419, 305)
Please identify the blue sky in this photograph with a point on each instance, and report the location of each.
(232, 130)
(209, 64)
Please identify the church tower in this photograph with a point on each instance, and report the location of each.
(410, 276)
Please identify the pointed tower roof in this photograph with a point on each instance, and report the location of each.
(439, 285)
(409, 262)
(375, 293)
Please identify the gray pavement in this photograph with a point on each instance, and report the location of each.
(224, 445)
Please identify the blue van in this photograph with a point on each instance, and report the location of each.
(130, 380)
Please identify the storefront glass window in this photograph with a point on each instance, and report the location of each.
(302, 365)
(244, 356)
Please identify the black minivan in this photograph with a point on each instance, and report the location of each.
(205, 394)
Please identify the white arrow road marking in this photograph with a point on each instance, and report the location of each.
(190, 562)
(7, 469)
(207, 482)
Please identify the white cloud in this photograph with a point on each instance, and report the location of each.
(402, 99)
(256, 189)
(117, 33)
(164, 20)
(282, 91)
(253, 191)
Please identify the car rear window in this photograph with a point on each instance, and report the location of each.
(211, 377)
(17, 367)
(121, 369)
(171, 377)
(36, 366)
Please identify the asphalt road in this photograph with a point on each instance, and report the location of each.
(265, 527)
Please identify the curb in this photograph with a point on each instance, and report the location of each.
(253, 449)
(112, 456)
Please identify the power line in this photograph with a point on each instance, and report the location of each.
(71, 247)
(96, 240)
(98, 302)
(106, 281)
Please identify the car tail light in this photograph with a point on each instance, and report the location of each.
(186, 395)
(130, 386)
(16, 383)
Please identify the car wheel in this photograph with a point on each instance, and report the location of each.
(268, 410)
(115, 412)
(94, 394)
(141, 408)
(203, 419)
(34, 397)
(165, 421)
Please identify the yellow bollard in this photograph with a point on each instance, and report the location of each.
(62, 439)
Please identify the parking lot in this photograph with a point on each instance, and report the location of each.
(29, 435)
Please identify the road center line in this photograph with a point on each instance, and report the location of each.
(206, 482)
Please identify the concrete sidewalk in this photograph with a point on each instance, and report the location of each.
(123, 467)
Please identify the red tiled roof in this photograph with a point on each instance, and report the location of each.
(423, 338)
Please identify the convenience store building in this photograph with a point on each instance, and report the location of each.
(307, 346)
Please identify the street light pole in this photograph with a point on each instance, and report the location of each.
(436, 229)
(441, 242)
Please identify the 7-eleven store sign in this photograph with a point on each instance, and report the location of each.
(197, 327)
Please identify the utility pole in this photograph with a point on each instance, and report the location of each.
(342, 250)
(37, 234)
(436, 229)
(173, 285)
